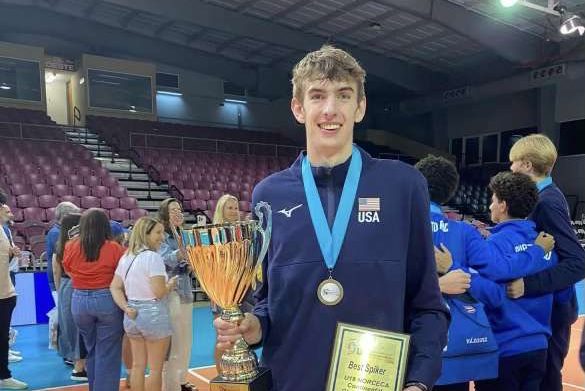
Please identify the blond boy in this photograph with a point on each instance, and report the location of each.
(535, 155)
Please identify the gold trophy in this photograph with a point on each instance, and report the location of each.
(226, 259)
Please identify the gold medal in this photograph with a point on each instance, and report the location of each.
(330, 292)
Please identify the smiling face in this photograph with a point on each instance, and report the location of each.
(155, 237)
(231, 211)
(329, 109)
(498, 210)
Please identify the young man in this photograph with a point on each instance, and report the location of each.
(522, 326)
(468, 249)
(379, 256)
(535, 156)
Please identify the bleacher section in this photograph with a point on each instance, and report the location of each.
(38, 175)
(203, 177)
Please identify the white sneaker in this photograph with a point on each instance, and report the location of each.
(14, 358)
(14, 352)
(12, 384)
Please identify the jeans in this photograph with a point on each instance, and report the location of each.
(6, 308)
(99, 320)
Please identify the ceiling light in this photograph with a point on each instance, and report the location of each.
(50, 77)
(571, 24)
(235, 100)
(5, 86)
(508, 3)
(173, 93)
(375, 26)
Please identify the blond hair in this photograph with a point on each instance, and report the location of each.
(218, 217)
(138, 237)
(328, 63)
(536, 149)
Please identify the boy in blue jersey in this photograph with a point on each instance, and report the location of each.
(522, 326)
(381, 244)
(466, 247)
(535, 156)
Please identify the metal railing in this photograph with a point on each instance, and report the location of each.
(19, 130)
(183, 143)
(76, 115)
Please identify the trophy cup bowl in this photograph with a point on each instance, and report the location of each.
(226, 259)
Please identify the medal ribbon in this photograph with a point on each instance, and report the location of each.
(330, 241)
(435, 208)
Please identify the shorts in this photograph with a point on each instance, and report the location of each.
(152, 321)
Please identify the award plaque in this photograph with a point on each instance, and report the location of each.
(365, 358)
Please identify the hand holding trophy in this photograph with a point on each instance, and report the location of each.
(226, 259)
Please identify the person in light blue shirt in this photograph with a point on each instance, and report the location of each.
(180, 300)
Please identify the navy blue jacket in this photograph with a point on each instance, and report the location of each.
(386, 266)
(551, 215)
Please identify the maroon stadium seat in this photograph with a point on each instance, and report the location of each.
(215, 194)
(70, 198)
(34, 214)
(244, 206)
(92, 180)
(80, 190)
(50, 214)
(118, 191)
(211, 204)
(128, 203)
(26, 201)
(90, 202)
(40, 189)
(74, 179)
(20, 188)
(110, 202)
(54, 179)
(110, 182)
(100, 191)
(119, 214)
(84, 171)
(188, 194)
(47, 201)
(202, 194)
(137, 213)
(60, 190)
(198, 205)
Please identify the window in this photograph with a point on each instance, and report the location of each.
(167, 80)
(457, 150)
(119, 91)
(20, 79)
(471, 151)
(572, 138)
(489, 148)
(508, 138)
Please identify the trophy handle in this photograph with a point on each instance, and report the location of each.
(264, 213)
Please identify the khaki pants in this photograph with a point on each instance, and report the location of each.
(176, 367)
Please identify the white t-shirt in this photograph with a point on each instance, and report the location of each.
(136, 275)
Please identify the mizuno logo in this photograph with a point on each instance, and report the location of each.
(288, 212)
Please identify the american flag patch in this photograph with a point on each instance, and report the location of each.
(368, 204)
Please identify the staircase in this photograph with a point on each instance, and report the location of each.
(136, 181)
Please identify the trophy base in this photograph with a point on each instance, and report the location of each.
(262, 382)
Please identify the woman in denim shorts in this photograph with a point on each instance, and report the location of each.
(140, 287)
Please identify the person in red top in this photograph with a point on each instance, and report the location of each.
(91, 260)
